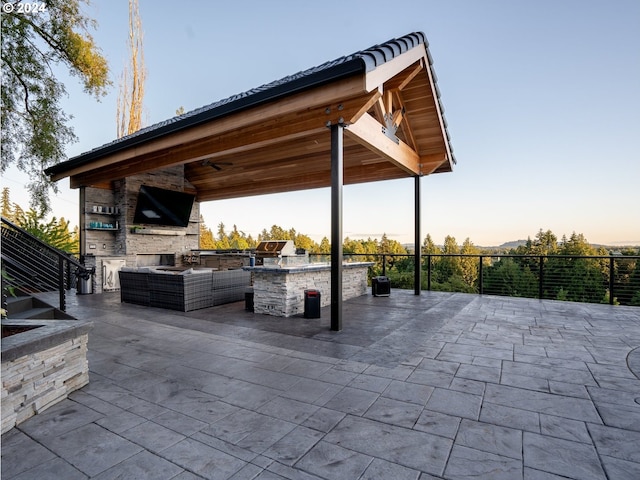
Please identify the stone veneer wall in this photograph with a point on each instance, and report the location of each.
(122, 243)
(35, 381)
(282, 294)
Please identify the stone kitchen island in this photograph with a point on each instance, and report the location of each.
(279, 290)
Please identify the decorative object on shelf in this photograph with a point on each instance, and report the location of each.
(101, 210)
(103, 226)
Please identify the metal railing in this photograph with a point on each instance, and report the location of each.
(34, 266)
(613, 279)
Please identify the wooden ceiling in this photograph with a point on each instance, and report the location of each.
(394, 129)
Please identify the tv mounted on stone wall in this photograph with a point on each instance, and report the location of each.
(159, 206)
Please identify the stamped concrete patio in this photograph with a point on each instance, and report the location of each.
(437, 386)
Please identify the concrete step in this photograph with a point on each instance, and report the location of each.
(43, 313)
(16, 305)
(28, 307)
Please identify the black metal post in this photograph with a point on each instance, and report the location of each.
(417, 276)
(337, 167)
(82, 223)
(429, 272)
(480, 283)
(68, 274)
(611, 282)
(61, 283)
(541, 275)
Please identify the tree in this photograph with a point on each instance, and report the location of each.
(428, 247)
(545, 243)
(325, 246)
(55, 233)
(576, 245)
(305, 242)
(448, 267)
(469, 265)
(275, 233)
(206, 236)
(7, 208)
(222, 242)
(238, 240)
(131, 89)
(35, 129)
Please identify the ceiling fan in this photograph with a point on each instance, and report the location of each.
(217, 165)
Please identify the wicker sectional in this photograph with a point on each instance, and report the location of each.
(184, 291)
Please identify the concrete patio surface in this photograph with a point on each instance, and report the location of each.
(440, 385)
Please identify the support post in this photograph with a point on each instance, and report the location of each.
(541, 278)
(611, 279)
(82, 227)
(337, 170)
(417, 276)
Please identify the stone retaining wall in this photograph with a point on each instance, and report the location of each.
(38, 378)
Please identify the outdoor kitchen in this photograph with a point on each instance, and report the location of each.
(282, 275)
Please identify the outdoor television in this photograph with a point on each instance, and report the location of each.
(158, 206)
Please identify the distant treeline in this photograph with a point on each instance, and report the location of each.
(518, 273)
(544, 243)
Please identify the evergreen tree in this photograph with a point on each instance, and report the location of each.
(7, 207)
(428, 247)
(207, 242)
(545, 243)
(237, 239)
(325, 246)
(448, 267)
(469, 265)
(222, 240)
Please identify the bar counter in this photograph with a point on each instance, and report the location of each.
(279, 290)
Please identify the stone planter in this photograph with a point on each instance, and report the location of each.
(41, 365)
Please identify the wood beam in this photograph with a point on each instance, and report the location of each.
(267, 133)
(406, 126)
(323, 98)
(390, 69)
(430, 163)
(403, 79)
(368, 132)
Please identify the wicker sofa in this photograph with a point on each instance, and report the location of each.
(184, 291)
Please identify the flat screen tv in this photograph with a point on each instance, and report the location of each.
(158, 206)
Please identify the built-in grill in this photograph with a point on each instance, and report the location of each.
(280, 252)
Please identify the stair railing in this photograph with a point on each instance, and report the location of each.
(33, 265)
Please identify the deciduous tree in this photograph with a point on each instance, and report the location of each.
(131, 89)
(53, 232)
(35, 129)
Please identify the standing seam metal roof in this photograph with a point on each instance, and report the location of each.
(362, 61)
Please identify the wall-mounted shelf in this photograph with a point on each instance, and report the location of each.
(104, 229)
(155, 231)
(89, 212)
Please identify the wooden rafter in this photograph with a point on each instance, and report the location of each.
(394, 130)
(367, 131)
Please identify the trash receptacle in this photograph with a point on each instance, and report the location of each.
(311, 304)
(380, 286)
(85, 281)
(248, 299)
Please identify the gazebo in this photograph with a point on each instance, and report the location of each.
(369, 116)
